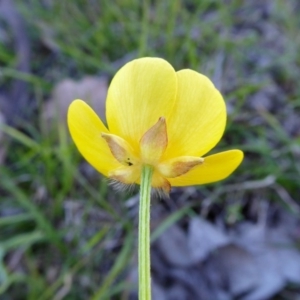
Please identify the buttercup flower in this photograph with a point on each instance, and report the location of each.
(158, 117)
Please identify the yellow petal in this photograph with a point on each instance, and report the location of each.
(179, 165)
(141, 92)
(154, 142)
(120, 149)
(86, 128)
(198, 119)
(214, 168)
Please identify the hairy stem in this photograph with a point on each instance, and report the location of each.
(144, 234)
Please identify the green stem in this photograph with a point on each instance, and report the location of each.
(144, 234)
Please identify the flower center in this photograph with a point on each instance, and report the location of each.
(152, 147)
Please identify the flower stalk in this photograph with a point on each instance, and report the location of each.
(144, 234)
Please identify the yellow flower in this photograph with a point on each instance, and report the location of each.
(156, 117)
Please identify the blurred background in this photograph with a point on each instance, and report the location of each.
(66, 234)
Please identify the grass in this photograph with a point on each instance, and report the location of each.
(44, 254)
